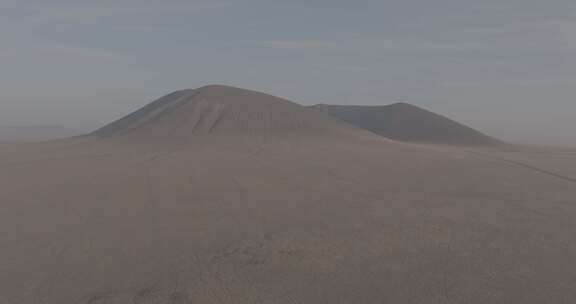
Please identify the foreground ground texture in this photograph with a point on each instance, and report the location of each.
(375, 222)
(222, 195)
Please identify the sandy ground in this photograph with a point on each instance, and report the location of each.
(560, 162)
(91, 222)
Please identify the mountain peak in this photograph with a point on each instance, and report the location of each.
(403, 105)
(218, 87)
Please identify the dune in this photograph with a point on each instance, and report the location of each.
(406, 122)
(224, 195)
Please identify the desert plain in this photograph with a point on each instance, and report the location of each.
(222, 195)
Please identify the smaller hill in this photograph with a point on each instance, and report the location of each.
(406, 122)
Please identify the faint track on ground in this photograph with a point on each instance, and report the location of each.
(524, 165)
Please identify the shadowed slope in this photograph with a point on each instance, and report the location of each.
(220, 111)
(405, 122)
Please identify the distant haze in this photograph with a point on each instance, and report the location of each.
(505, 67)
(525, 127)
(15, 134)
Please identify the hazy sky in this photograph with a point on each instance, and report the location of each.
(507, 67)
